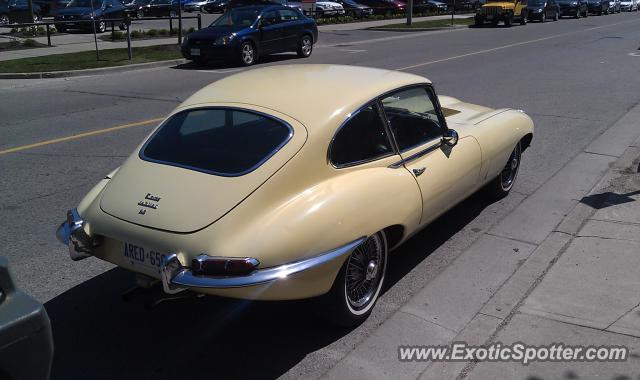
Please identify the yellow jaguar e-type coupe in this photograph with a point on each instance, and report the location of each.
(295, 181)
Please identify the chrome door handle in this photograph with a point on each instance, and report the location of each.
(419, 171)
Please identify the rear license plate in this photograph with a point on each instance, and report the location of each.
(195, 51)
(141, 256)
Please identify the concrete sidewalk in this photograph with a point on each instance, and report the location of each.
(561, 268)
(77, 42)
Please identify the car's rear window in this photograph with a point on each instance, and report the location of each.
(220, 141)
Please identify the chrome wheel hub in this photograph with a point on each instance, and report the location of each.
(306, 46)
(364, 272)
(247, 53)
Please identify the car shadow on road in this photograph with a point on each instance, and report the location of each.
(99, 336)
(221, 65)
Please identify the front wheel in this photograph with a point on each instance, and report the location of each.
(508, 21)
(556, 16)
(502, 184)
(100, 26)
(358, 284)
(305, 46)
(139, 14)
(247, 54)
(523, 19)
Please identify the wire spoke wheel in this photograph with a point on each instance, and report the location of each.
(510, 171)
(365, 272)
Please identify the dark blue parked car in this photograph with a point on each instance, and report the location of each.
(12, 11)
(79, 14)
(246, 33)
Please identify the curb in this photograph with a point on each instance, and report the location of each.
(385, 29)
(102, 70)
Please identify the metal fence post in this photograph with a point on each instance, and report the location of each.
(128, 22)
(179, 22)
(113, 32)
(199, 21)
(48, 34)
(170, 24)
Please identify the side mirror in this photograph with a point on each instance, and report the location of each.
(450, 137)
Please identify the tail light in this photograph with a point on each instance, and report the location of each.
(223, 266)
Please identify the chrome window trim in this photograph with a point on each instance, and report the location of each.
(142, 156)
(417, 155)
(351, 116)
(390, 135)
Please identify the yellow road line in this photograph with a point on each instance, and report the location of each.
(78, 136)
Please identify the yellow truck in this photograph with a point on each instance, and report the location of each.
(494, 11)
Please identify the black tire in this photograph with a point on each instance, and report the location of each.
(354, 293)
(523, 18)
(100, 26)
(305, 46)
(606, 13)
(140, 14)
(543, 16)
(508, 21)
(478, 21)
(248, 54)
(556, 16)
(577, 14)
(4, 19)
(500, 186)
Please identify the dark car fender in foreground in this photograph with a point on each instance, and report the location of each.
(26, 343)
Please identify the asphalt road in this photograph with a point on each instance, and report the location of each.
(574, 77)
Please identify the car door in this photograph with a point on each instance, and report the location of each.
(291, 27)
(19, 11)
(115, 9)
(270, 32)
(446, 175)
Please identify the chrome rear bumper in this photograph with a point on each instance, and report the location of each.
(176, 278)
(72, 234)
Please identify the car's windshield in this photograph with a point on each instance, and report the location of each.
(85, 3)
(237, 17)
(221, 141)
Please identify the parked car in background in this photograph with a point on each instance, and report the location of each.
(354, 9)
(84, 14)
(573, 8)
(541, 10)
(244, 34)
(629, 5)
(215, 6)
(614, 6)
(598, 7)
(50, 7)
(161, 8)
(328, 8)
(136, 7)
(366, 161)
(26, 341)
(195, 6)
(494, 11)
(17, 11)
(438, 6)
(383, 7)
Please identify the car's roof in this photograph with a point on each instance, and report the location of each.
(313, 94)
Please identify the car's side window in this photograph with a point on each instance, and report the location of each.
(269, 18)
(361, 139)
(413, 117)
(287, 15)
